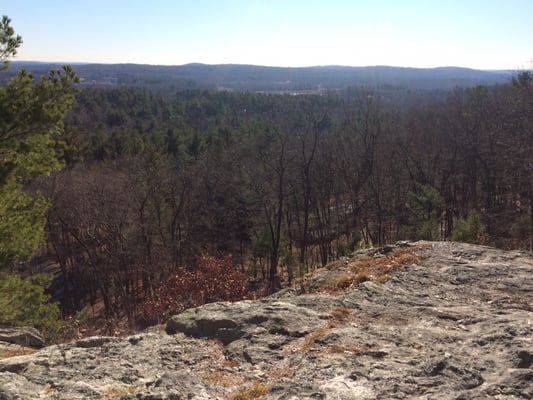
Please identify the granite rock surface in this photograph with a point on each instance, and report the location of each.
(455, 324)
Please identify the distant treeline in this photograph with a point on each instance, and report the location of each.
(282, 183)
(166, 79)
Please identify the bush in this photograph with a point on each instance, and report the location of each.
(345, 248)
(213, 279)
(341, 248)
(23, 302)
(468, 230)
(426, 207)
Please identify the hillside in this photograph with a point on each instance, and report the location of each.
(273, 79)
(453, 321)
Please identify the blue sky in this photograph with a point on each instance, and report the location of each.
(483, 34)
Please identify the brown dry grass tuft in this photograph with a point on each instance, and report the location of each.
(231, 363)
(338, 314)
(279, 373)
(16, 352)
(117, 392)
(310, 339)
(347, 273)
(341, 314)
(221, 378)
(342, 281)
(255, 392)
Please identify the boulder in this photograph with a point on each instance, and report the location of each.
(23, 336)
(228, 322)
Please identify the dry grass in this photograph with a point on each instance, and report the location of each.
(348, 273)
(281, 372)
(48, 389)
(231, 363)
(338, 314)
(16, 352)
(116, 392)
(309, 344)
(221, 378)
(346, 279)
(256, 391)
(310, 339)
(341, 314)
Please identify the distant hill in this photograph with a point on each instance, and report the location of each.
(272, 79)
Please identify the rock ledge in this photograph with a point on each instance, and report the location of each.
(458, 323)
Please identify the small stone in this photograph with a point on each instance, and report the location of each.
(526, 359)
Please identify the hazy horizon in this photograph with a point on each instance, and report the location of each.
(257, 65)
(474, 34)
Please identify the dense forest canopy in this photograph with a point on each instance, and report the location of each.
(155, 182)
(282, 183)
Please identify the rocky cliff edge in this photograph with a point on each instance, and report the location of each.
(454, 323)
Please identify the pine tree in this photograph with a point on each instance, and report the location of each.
(31, 128)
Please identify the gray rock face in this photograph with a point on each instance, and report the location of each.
(26, 336)
(457, 324)
(233, 321)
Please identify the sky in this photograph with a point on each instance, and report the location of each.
(480, 34)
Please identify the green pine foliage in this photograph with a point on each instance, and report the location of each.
(22, 223)
(23, 302)
(468, 230)
(426, 207)
(8, 42)
(31, 145)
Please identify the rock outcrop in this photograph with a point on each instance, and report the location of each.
(456, 323)
(25, 336)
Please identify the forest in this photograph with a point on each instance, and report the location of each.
(281, 184)
(159, 201)
(235, 77)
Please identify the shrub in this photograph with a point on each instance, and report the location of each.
(213, 279)
(23, 302)
(341, 248)
(468, 230)
(344, 248)
(426, 207)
